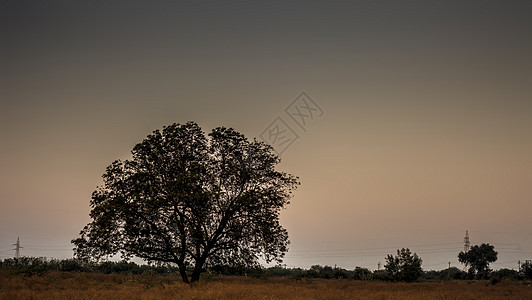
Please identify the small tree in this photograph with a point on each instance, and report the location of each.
(404, 267)
(526, 269)
(478, 259)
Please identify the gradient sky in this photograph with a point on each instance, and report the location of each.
(426, 130)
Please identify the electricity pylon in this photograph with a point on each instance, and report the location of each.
(17, 248)
(467, 246)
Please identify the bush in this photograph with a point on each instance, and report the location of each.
(39, 265)
(431, 275)
(314, 271)
(505, 274)
(339, 273)
(452, 273)
(362, 274)
(381, 275)
(26, 265)
(73, 265)
(278, 271)
(405, 266)
(230, 270)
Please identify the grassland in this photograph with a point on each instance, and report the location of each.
(60, 285)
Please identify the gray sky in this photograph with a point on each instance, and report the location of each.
(425, 131)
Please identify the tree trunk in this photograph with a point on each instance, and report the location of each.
(197, 271)
(183, 272)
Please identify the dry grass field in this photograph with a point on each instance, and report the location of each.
(58, 285)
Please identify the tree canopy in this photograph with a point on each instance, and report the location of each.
(526, 269)
(191, 199)
(478, 259)
(404, 267)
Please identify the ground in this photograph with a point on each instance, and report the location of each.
(57, 285)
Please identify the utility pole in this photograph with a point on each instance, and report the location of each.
(17, 248)
(379, 266)
(449, 265)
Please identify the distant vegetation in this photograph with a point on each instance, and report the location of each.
(40, 265)
(29, 266)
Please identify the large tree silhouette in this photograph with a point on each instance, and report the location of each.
(192, 200)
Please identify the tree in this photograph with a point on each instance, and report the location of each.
(404, 267)
(192, 200)
(526, 269)
(478, 259)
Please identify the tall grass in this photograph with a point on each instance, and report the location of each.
(63, 285)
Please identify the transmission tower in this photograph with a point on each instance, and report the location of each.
(467, 244)
(17, 248)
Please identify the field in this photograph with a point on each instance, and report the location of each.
(57, 285)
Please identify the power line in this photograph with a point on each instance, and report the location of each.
(47, 246)
(380, 248)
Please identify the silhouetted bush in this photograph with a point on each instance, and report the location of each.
(326, 272)
(362, 274)
(314, 271)
(72, 265)
(230, 270)
(283, 271)
(39, 265)
(505, 274)
(26, 265)
(339, 273)
(381, 275)
(452, 274)
(431, 275)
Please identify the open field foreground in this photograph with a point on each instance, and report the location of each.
(58, 285)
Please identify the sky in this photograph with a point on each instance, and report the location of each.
(415, 124)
